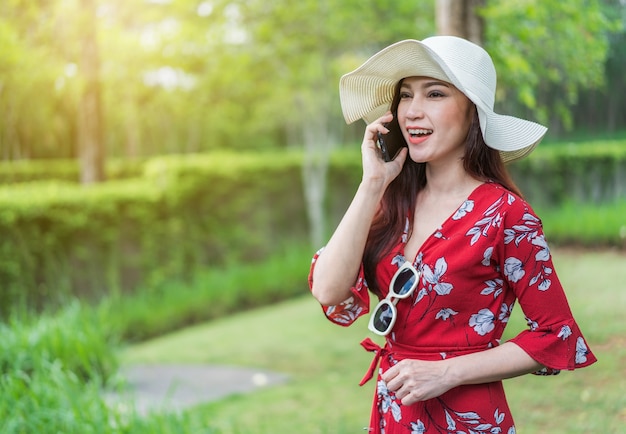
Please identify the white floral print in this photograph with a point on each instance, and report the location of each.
(513, 269)
(492, 219)
(482, 322)
(581, 350)
(474, 423)
(565, 332)
(487, 256)
(532, 325)
(418, 427)
(398, 260)
(529, 229)
(346, 312)
(493, 287)
(544, 253)
(432, 278)
(505, 312)
(387, 403)
(445, 314)
(543, 278)
(467, 206)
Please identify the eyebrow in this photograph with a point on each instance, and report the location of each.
(428, 84)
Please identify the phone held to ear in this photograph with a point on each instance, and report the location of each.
(389, 145)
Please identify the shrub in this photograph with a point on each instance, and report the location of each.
(76, 338)
(592, 172)
(52, 371)
(211, 294)
(602, 225)
(52, 399)
(192, 212)
(186, 214)
(24, 171)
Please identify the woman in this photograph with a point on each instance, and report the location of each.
(442, 236)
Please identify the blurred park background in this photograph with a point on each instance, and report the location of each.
(168, 168)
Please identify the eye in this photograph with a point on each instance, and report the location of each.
(436, 94)
(405, 95)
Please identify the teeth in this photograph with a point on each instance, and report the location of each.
(419, 132)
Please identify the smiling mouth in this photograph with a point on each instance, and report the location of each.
(419, 132)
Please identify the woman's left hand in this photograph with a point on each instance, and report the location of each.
(417, 380)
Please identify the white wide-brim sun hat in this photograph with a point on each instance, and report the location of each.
(366, 93)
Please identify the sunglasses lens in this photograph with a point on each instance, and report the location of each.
(405, 281)
(383, 317)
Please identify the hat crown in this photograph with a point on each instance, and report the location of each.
(470, 64)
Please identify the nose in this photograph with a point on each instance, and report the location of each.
(414, 111)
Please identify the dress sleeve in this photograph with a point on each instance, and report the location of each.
(553, 338)
(353, 307)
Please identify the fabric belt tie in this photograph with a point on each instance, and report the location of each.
(372, 347)
(420, 353)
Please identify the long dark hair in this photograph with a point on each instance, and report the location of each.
(398, 202)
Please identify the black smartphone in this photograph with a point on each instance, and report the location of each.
(389, 144)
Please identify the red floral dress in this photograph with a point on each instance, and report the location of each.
(482, 259)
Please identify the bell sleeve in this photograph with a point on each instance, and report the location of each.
(553, 338)
(348, 311)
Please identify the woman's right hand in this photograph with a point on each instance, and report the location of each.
(337, 268)
(375, 169)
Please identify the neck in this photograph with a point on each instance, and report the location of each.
(449, 180)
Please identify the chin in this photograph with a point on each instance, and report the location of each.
(416, 157)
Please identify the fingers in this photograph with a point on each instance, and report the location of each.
(394, 379)
(415, 380)
(378, 126)
(374, 165)
(407, 397)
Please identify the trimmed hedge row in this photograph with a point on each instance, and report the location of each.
(63, 170)
(593, 172)
(189, 213)
(185, 214)
(590, 172)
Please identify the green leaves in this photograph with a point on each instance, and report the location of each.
(548, 51)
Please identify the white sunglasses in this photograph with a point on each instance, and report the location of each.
(402, 285)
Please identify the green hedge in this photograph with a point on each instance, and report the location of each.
(591, 172)
(22, 171)
(211, 294)
(185, 214)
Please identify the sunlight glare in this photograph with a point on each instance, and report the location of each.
(205, 9)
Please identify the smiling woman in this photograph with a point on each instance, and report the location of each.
(447, 207)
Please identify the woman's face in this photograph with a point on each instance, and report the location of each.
(434, 117)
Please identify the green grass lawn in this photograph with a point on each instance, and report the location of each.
(325, 363)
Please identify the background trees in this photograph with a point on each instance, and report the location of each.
(191, 75)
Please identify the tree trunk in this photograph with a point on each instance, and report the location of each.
(90, 140)
(318, 146)
(460, 18)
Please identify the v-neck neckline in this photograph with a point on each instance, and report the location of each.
(439, 228)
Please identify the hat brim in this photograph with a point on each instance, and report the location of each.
(366, 93)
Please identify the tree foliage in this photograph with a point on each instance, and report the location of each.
(547, 52)
(179, 76)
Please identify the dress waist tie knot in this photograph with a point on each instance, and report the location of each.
(372, 347)
(403, 352)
